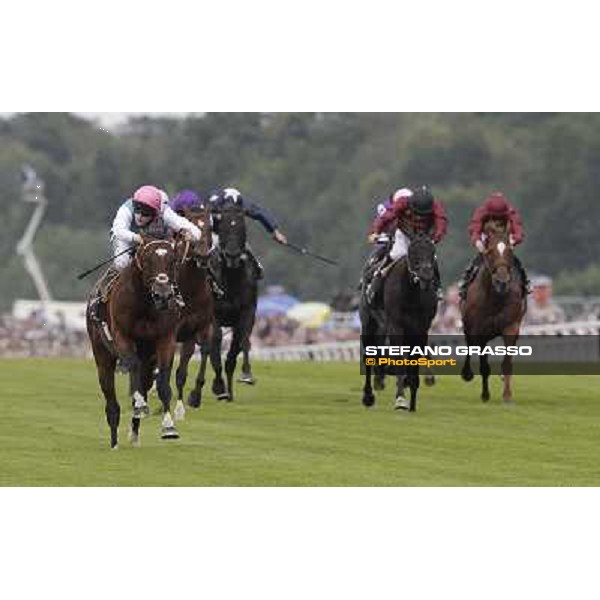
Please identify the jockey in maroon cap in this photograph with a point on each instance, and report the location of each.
(499, 212)
(416, 212)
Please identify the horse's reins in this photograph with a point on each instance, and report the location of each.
(488, 251)
(142, 251)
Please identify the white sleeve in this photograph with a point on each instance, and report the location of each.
(122, 223)
(177, 223)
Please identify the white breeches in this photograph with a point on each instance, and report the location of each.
(400, 247)
(119, 246)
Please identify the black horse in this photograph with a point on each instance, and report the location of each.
(237, 307)
(404, 315)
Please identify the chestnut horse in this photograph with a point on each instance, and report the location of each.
(495, 306)
(141, 325)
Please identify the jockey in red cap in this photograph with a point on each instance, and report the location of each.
(500, 213)
(411, 211)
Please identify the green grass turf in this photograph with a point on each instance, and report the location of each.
(301, 425)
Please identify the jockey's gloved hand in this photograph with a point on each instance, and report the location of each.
(137, 239)
(373, 238)
(479, 245)
(278, 236)
(511, 240)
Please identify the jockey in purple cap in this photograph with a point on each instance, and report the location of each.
(186, 200)
(190, 200)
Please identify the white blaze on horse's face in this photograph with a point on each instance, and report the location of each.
(162, 278)
(501, 248)
(161, 252)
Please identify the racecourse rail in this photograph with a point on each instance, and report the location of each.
(584, 343)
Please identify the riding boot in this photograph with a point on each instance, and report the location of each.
(371, 264)
(104, 286)
(256, 267)
(469, 275)
(374, 287)
(178, 297)
(217, 290)
(437, 282)
(523, 274)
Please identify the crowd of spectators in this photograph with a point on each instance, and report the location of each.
(33, 336)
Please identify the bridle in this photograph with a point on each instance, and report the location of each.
(415, 279)
(488, 251)
(160, 277)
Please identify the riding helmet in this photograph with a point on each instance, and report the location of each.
(421, 202)
(497, 204)
(186, 199)
(149, 196)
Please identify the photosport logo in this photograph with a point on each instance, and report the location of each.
(447, 354)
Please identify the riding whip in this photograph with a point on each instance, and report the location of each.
(89, 271)
(307, 252)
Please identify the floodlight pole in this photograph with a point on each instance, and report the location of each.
(33, 191)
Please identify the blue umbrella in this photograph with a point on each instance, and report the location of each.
(275, 304)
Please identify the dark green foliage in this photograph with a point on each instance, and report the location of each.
(319, 173)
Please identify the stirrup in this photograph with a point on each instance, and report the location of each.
(217, 289)
(179, 300)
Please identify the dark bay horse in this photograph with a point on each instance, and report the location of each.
(237, 309)
(140, 330)
(495, 306)
(197, 320)
(409, 306)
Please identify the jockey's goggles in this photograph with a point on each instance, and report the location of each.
(142, 209)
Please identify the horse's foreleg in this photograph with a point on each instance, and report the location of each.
(510, 337)
(106, 378)
(467, 371)
(246, 376)
(218, 386)
(231, 360)
(165, 355)
(484, 370)
(131, 361)
(195, 397)
(186, 353)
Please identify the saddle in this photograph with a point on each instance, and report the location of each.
(99, 298)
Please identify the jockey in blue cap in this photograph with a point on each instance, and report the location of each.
(231, 196)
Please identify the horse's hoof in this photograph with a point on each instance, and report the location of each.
(179, 411)
(134, 439)
(401, 403)
(368, 400)
(223, 396)
(509, 402)
(379, 385)
(247, 378)
(218, 388)
(429, 380)
(485, 397)
(194, 399)
(467, 376)
(115, 447)
(169, 433)
(141, 412)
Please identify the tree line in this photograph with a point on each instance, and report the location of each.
(320, 174)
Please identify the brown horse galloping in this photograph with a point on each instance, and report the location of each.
(140, 330)
(495, 305)
(197, 322)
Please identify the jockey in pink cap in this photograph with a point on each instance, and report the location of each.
(148, 213)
